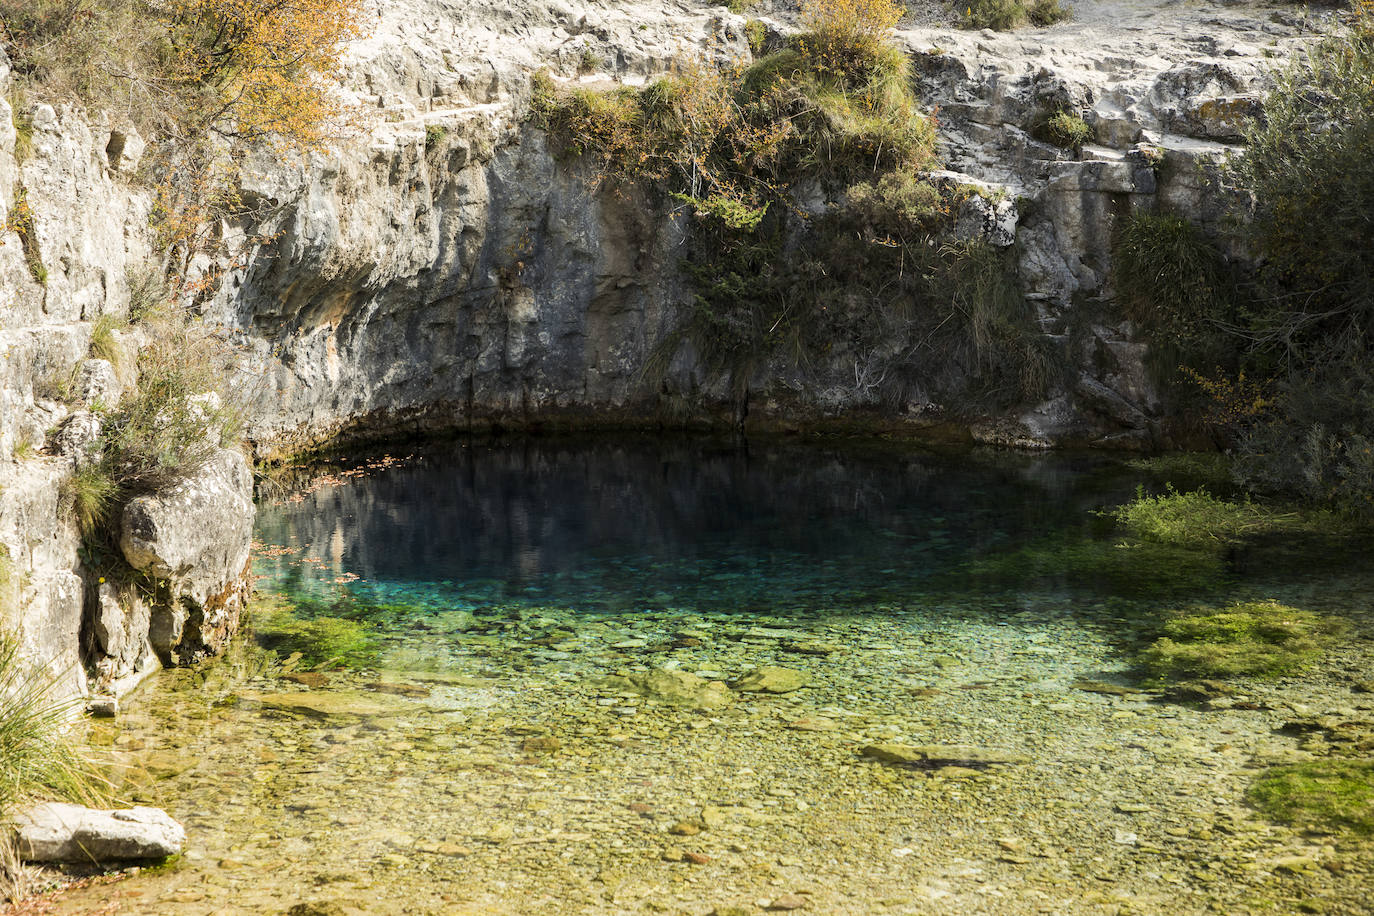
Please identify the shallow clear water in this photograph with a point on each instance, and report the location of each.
(498, 755)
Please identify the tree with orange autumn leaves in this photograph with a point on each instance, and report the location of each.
(200, 78)
(265, 66)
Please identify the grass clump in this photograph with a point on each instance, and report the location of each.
(1254, 639)
(1333, 794)
(1063, 129)
(103, 343)
(88, 496)
(1198, 520)
(1176, 287)
(37, 759)
(1195, 519)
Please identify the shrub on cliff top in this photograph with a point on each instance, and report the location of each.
(737, 140)
(245, 68)
(1003, 15)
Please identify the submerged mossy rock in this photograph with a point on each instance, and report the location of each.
(680, 688)
(318, 640)
(332, 704)
(1325, 794)
(934, 756)
(772, 679)
(1251, 639)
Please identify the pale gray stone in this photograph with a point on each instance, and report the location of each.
(61, 832)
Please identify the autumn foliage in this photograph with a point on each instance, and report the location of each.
(266, 64)
(249, 69)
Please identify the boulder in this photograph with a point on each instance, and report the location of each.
(196, 537)
(61, 832)
(680, 688)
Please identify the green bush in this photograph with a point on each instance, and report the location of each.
(1307, 163)
(103, 343)
(898, 201)
(1048, 12)
(1063, 128)
(1323, 794)
(1194, 519)
(1173, 282)
(434, 136)
(1308, 326)
(1255, 639)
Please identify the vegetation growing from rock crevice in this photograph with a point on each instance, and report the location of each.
(1284, 357)
(183, 410)
(871, 280)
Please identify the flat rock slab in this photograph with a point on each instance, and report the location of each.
(933, 756)
(332, 704)
(772, 679)
(60, 832)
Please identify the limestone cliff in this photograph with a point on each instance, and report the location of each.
(85, 234)
(443, 269)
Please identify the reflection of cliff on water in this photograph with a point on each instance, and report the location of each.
(660, 519)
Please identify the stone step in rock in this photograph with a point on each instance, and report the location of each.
(61, 832)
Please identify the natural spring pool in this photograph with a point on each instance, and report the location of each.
(531, 717)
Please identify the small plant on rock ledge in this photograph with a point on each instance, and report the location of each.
(1063, 129)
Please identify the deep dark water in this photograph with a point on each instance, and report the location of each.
(643, 522)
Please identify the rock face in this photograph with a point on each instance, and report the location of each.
(448, 271)
(59, 832)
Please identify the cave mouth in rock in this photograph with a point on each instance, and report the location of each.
(641, 673)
